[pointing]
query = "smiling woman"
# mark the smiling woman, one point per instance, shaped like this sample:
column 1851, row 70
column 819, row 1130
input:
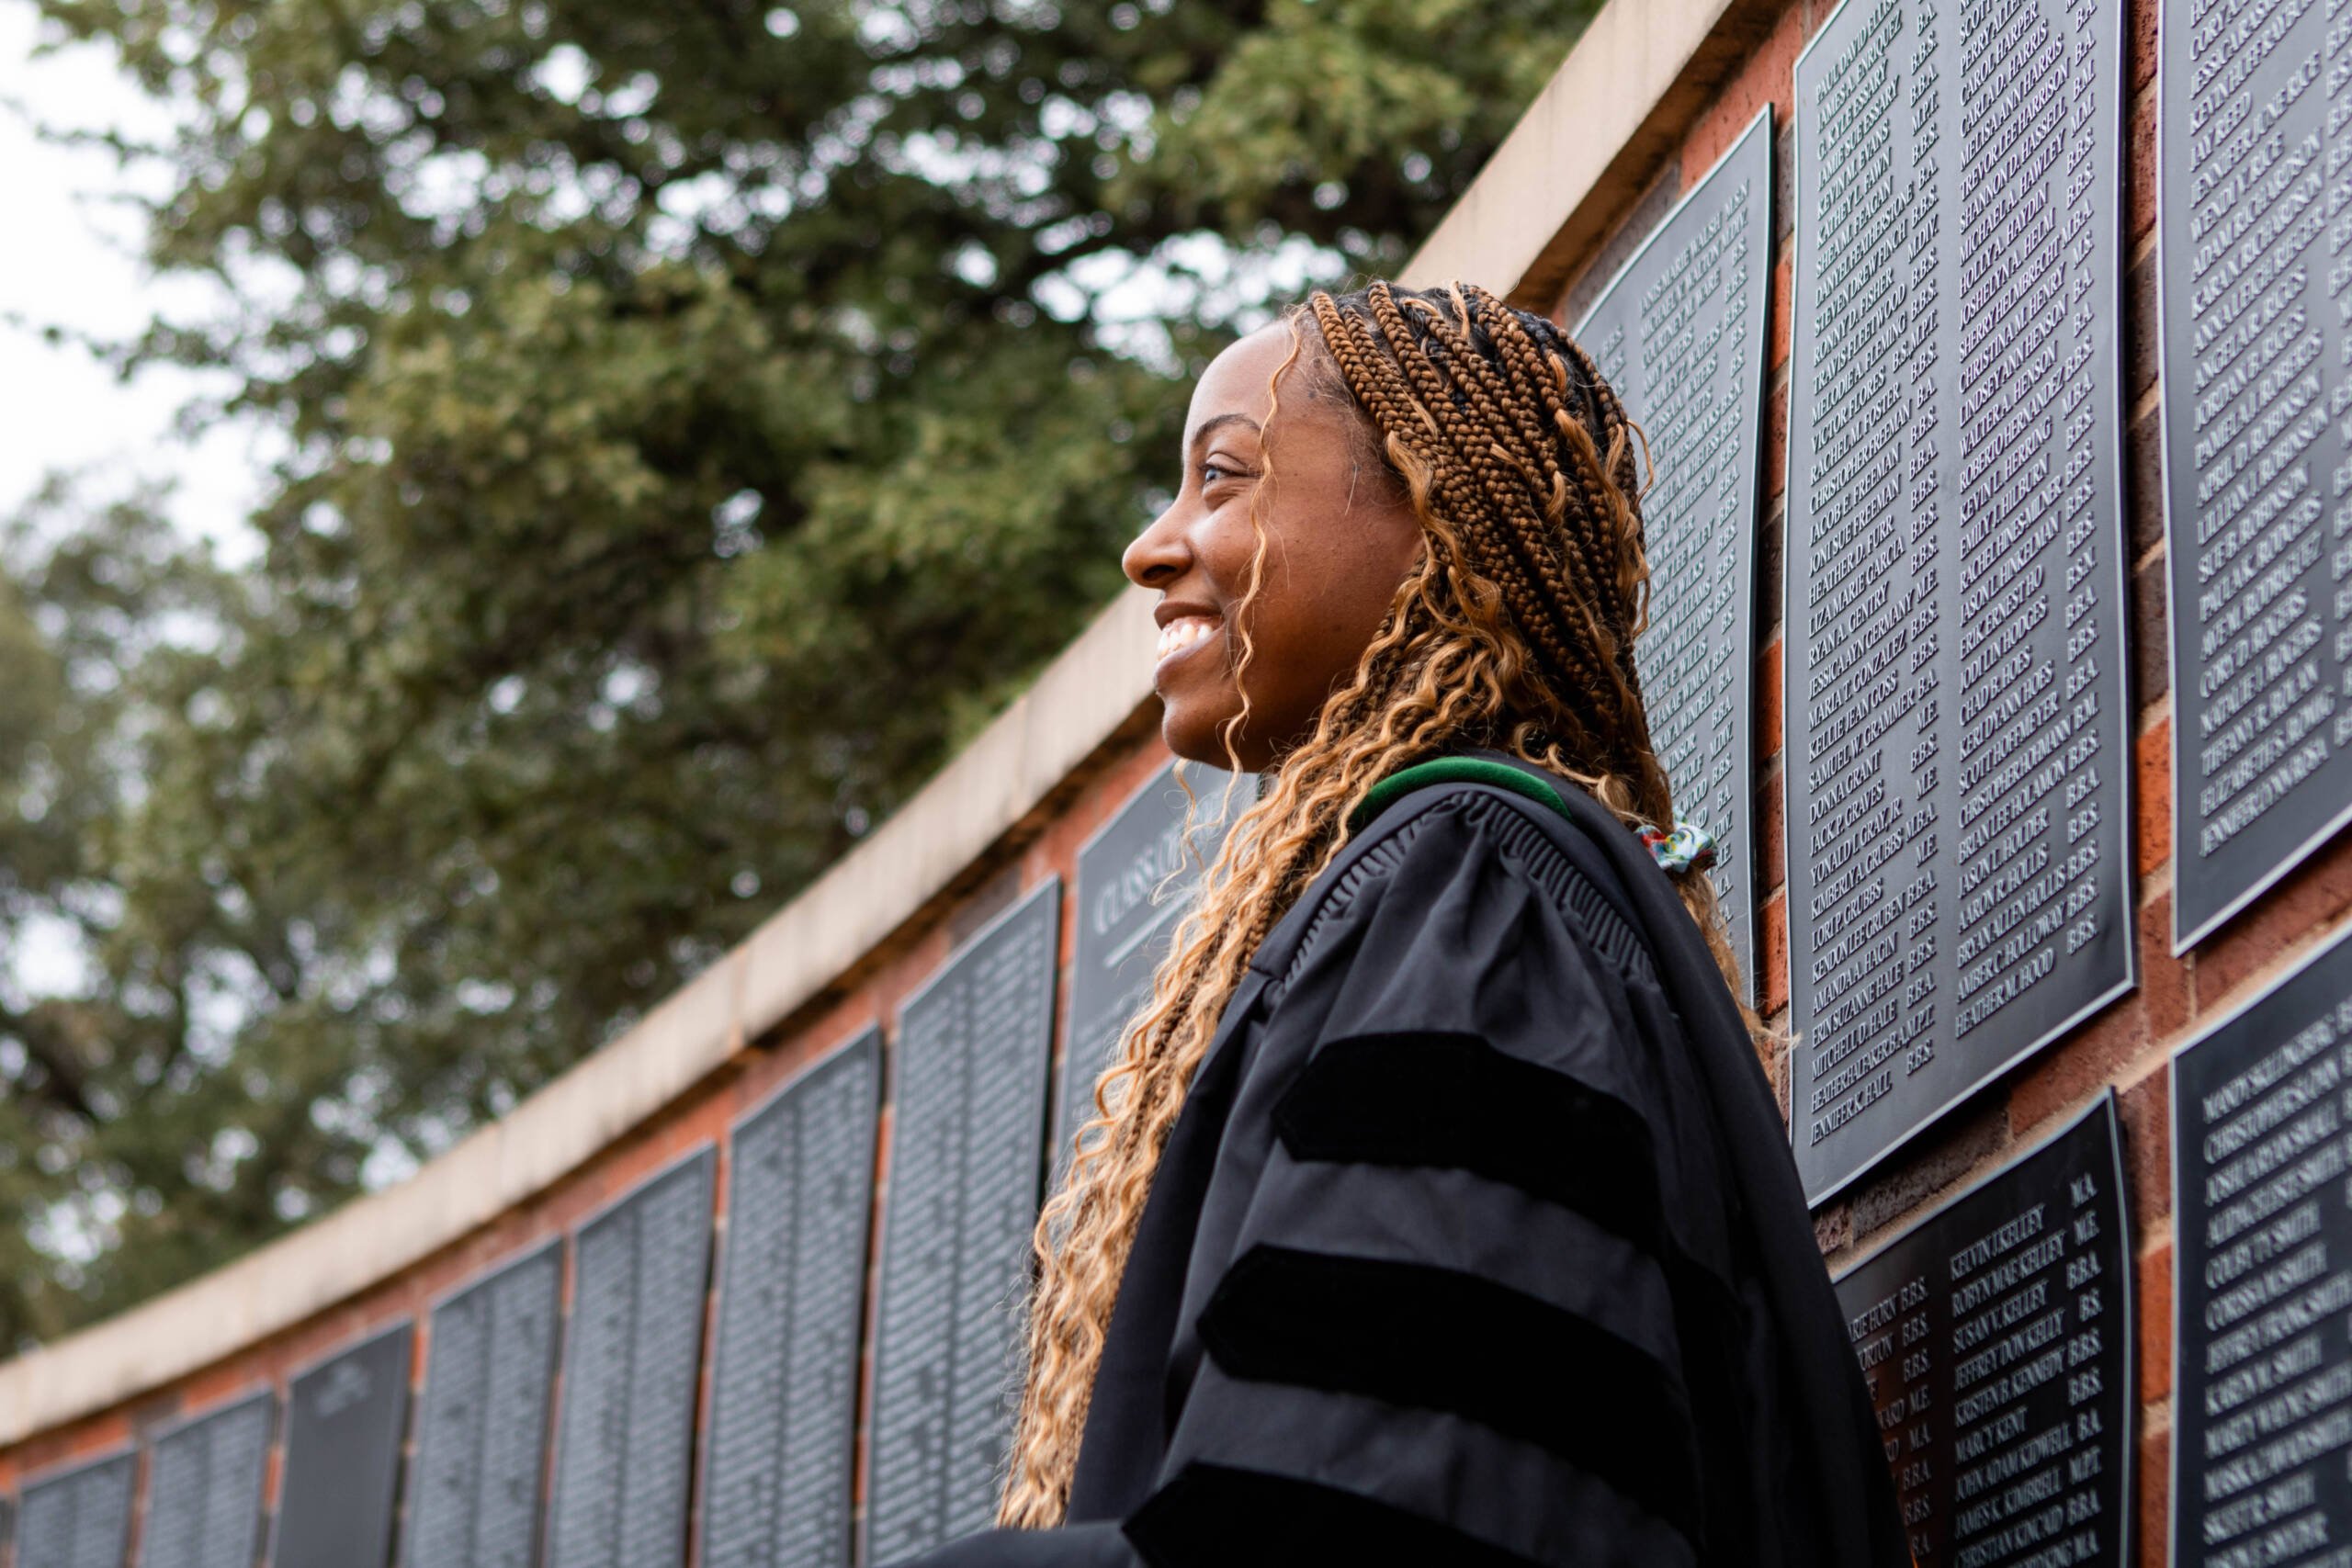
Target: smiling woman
column 1437, row 1211
column 1255, row 520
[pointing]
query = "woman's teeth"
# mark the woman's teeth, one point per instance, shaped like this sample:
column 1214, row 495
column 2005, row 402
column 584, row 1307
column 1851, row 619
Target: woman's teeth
column 1179, row 634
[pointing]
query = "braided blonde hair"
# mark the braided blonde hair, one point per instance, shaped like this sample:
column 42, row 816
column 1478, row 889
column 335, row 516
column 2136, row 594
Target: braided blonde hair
column 1515, row 631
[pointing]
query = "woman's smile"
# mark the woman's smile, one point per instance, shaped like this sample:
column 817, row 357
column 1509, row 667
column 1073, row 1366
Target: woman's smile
column 1182, row 629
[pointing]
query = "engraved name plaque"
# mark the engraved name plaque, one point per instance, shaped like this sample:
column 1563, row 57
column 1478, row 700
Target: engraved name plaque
column 1679, row 332
column 783, row 1384
column 204, row 1485
column 1127, row 911
column 2262, row 1277
column 967, row 1145
column 345, row 1418
column 78, row 1520
column 632, row 1363
column 2254, row 263
column 474, row 1495
column 1957, row 748
column 1995, row 1338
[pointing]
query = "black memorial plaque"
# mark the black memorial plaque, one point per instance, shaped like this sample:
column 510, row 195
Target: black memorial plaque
column 633, row 1365
column 2262, row 1277
column 1135, row 878
column 784, row 1385
column 80, row 1518
column 1679, row 332
column 1995, row 1337
column 346, row 1420
column 2254, row 263
column 204, row 1489
column 967, row 1145
column 1957, row 723
column 481, row 1443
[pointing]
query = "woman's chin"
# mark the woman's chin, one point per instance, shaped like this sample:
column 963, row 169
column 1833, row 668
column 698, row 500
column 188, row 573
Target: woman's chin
column 1196, row 733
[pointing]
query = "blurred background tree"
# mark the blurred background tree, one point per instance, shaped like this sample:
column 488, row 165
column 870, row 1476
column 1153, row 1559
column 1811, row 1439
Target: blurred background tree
column 700, row 415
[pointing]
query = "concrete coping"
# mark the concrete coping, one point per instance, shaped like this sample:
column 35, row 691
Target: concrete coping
column 1571, row 165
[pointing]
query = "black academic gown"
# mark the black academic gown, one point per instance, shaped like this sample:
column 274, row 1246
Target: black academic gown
column 1477, row 1242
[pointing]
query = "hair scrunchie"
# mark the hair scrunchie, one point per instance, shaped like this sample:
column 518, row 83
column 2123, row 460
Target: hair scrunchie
column 1688, row 847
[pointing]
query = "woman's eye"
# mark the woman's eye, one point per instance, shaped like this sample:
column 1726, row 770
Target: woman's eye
column 1213, row 471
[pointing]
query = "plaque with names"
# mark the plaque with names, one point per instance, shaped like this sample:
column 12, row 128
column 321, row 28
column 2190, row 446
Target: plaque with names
column 80, row 1518
column 967, row 1148
column 204, row 1489
column 1958, row 747
column 2262, row 1276
column 1679, row 332
column 2254, row 267
column 632, row 1367
column 791, row 1295
column 1995, row 1338
column 481, row 1444
column 344, row 1423
column 1135, row 880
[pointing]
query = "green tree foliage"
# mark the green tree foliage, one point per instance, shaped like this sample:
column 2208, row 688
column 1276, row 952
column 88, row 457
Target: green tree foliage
column 699, row 415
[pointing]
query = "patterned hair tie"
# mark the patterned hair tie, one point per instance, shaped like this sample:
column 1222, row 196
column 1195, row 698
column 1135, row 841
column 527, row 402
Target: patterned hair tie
column 1688, row 848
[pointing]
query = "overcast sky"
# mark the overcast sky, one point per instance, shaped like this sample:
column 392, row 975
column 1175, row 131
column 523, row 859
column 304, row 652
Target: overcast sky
column 72, row 261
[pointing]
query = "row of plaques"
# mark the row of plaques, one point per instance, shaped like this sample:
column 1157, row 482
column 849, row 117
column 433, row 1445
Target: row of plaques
column 1957, row 736
column 1956, row 741
column 1957, row 722
column 596, row 1417
column 1996, row 1339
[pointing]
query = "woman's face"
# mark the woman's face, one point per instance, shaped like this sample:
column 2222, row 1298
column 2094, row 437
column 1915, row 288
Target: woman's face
column 1339, row 537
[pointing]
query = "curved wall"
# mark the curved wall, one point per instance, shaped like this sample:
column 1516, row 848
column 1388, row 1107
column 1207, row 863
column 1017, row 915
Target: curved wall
column 1644, row 107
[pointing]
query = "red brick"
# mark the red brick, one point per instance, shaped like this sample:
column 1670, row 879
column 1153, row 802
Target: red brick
column 1781, row 323
column 2140, row 171
column 89, row 1440
column 2152, row 789
column 2141, row 363
column 1936, row 1163
column 2067, row 1077
column 2152, row 1318
column 1774, row 981
column 1772, row 838
column 1768, row 702
column 2151, row 673
column 2155, row 1521
column 1833, row 1229
column 2164, row 979
column 2308, row 901
column 1776, row 442
column 1767, row 77
column 2140, row 42
column 2145, row 1112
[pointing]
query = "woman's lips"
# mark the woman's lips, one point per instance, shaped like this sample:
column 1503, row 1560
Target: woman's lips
column 1184, row 634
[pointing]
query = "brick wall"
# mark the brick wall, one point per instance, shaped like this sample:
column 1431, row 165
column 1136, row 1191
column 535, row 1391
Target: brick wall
column 2126, row 1046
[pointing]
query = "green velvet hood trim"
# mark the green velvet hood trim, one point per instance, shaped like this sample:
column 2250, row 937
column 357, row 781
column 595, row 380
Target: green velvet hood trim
column 1452, row 770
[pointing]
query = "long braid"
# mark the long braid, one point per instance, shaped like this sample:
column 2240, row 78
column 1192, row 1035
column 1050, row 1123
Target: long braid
column 1514, row 631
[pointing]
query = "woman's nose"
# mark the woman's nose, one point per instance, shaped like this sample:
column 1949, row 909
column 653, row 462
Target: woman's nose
column 1160, row 555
